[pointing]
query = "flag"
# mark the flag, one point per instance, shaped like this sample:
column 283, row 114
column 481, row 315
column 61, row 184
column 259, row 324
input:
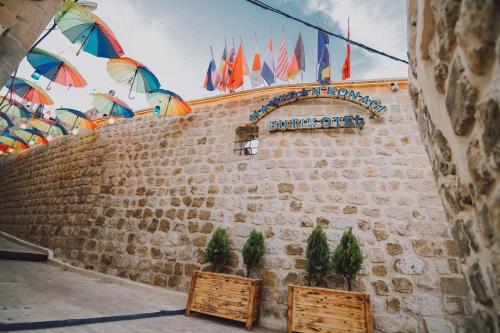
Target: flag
column 298, row 62
column 245, row 64
column 324, row 67
column 255, row 75
column 324, row 73
column 211, row 77
column 281, row 70
column 229, row 65
column 236, row 78
column 221, row 83
column 268, row 66
column 346, row 69
column 300, row 54
column 293, row 68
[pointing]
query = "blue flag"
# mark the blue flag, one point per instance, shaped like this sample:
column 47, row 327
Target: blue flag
column 324, row 71
column 211, row 77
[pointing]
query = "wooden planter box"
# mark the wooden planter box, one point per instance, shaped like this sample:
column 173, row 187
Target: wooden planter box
column 224, row 295
column 312, row 309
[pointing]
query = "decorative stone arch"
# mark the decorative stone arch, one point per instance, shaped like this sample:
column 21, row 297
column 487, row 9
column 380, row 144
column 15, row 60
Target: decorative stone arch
column 373, row 106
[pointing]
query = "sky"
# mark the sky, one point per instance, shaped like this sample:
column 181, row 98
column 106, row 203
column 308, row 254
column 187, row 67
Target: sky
column 173, row 39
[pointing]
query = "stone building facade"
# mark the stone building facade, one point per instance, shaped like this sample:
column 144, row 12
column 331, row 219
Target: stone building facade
column 141, row 198
column 21, row 23
column 454, row 49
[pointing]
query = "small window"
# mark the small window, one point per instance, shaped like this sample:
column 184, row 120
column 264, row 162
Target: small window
column 247, row 140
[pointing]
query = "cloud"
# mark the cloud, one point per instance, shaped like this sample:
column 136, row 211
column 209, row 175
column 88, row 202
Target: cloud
column 378, row 24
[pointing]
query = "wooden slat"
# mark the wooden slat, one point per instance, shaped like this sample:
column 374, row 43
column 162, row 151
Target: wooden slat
column 232, row 297
column 315, row 329
column 320, row 310
column 212, row 301
column 290, row 309
column 205, row 284
column 314, row 300
column 220, row 312
column 322, row 321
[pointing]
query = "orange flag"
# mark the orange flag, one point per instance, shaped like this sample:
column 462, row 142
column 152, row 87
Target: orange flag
column 346, row 69
column 293, row 68
column 236, row 79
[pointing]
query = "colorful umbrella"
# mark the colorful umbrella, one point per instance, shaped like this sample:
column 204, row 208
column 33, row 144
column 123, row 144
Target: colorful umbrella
column 3, row 149
column 5, row 121
column 48, row 126
column 75, row 119
column 134, row 74
column 168, row 103
column 28, row 90
column 12, row 141
column 81, row 26
column 112, row 106
column 31, row 135
column 15, row 109
column 55, row 68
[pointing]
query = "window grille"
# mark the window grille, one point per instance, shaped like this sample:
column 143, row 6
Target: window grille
column 247, row 140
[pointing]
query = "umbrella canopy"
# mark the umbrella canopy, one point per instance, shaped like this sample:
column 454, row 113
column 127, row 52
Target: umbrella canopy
column 15, row 109
column 75, row 119
column 132, row 73
column 47, row 126
column 55, row 68
column 3, row 149
column 81, row 26
column 12, row 141
column 30, row 135
column 111, row 105
column 28, row 90
column 168, row 103
column 5, row 121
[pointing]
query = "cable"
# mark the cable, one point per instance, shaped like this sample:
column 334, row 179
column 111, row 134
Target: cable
column 361, row 45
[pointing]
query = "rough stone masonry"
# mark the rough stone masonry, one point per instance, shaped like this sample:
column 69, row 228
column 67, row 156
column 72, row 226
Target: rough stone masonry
column 454, row 49
column 140, row 200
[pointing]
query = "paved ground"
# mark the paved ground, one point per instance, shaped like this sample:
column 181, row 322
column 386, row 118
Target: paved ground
column 31, row 291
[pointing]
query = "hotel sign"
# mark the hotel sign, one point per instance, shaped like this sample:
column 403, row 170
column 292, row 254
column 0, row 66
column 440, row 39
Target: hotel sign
column 316, row 123
column 374, row 106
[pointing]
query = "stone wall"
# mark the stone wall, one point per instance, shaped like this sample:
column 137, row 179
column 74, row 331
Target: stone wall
column 140, row 200
column 454, row 49
column 21, row 23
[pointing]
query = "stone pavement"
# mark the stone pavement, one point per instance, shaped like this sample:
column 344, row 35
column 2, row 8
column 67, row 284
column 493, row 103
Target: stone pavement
column 31, row 291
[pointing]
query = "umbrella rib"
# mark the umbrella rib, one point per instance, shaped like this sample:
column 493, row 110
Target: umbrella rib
column 86, row 38
column 132, row 84
column 168, row 103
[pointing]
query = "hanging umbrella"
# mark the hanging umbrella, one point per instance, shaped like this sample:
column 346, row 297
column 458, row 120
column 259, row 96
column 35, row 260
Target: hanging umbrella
column 48, row 126
column 12, row 141
column 5, row 121
column 168, row 103
column 31, row 135
column 134, row 74
column 75, row 119
column 55, row 68
column 112, row 106
column 82, row 27
column 14, row 108
column 3, row 149
column 28, row 90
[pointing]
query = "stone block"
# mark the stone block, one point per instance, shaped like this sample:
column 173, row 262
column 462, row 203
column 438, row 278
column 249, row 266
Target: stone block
column 402, row 285
column 454, row 286
column 410, row 265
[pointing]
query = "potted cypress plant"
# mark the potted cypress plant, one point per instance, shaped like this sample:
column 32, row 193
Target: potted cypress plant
column 315, row 309
column 348, row 258
column 225, row 295
column 253, row 250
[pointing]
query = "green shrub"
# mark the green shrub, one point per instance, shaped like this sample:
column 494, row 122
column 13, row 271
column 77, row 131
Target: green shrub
column 318, row 264
column 217, row 251
column 253, row 250
column 347, row 257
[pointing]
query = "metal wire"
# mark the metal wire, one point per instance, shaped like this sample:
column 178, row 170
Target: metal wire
column 361, row 45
